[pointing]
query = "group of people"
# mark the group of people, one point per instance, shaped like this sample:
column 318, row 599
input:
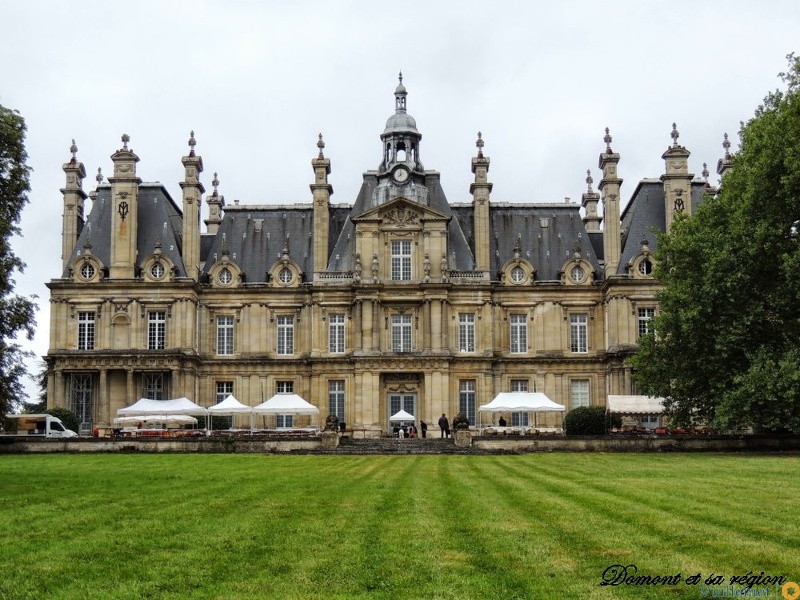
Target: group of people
column 410, row 431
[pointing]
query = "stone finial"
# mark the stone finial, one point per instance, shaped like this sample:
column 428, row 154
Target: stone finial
column 99, row 177
column 400, row 77
column 645, row 243
column 321, row 146
column 225, row 250
column 215, row 184
column 727, row 146
column 125, row 139
column 607, row 139
column 704, row 172
column 589, row 180
column 74, row 149
column 192, row 143
column 674, row 135
column 576, row 249
column 479, row 143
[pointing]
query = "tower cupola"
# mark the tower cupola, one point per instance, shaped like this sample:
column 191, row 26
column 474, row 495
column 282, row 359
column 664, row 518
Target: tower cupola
column 401, row 138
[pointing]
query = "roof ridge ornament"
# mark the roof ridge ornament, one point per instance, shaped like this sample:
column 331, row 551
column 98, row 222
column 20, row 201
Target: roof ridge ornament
column 99, row 177
column 479, row 143
column 400, row 95
column 125, row 139
column 727, row 145
column 607, row 139
column 192, row 143
column 215, row 184
column 589, row 180
column 674, row 135
column 74, row 149
column 321, row 146
column 705, row 172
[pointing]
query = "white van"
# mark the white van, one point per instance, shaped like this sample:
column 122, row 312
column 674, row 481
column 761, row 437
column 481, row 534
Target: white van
column 42, row 425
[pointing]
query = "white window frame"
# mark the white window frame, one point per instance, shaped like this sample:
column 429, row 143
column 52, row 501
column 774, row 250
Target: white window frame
column 224, row 389
column 579, row 333
column 156, row 330
column 466, row 332
column 518, row 333
column 402, row 333
column 519, row 419
column 579, row 393
column 225, row 335
column 336, row 333
column 336, row 398
column 643, row 322
column 467, row 399
column 401, row 260
column 284, row 387
column 285, row 333
column 86, row 330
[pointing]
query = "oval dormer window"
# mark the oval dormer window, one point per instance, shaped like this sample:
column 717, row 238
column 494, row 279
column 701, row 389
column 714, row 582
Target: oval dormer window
column 225, row 276
column 87, row 271
column 285, row 276
column 578, row 274
column 517, row 274
column 157, row 270
column 646, row 267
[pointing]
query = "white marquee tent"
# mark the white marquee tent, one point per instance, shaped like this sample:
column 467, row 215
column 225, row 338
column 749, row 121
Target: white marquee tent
column 178, row 406
column 524, row 402
column 285, row 404
column 401, row 416
column 634, row 405
column 229, row 407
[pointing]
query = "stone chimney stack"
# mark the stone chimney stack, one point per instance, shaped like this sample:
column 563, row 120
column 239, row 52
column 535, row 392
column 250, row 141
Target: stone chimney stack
column 216, row 203
column 677, row 180
column 609, row 189
column 589, row 202
column 192, row 194
column 321, row 192
column 481, row 190
column 74, row 196
column 125, row 212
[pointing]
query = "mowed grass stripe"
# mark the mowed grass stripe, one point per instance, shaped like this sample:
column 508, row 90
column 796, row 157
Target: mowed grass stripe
column 267, row 526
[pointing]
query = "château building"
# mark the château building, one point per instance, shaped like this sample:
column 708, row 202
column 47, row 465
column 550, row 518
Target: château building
column 400, row 300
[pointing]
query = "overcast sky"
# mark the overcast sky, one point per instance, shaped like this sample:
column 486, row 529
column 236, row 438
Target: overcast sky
column 258, row 80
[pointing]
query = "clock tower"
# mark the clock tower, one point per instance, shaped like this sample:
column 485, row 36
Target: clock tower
column 401, row 141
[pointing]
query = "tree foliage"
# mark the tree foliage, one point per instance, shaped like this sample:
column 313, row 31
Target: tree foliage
column 16, row 312
column 727, row 342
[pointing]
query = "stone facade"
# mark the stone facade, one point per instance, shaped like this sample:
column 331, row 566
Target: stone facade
column 400, row 300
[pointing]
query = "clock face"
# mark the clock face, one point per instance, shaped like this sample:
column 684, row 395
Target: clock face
column 400, row 175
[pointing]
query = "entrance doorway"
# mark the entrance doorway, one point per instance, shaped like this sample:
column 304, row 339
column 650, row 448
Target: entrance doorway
column 398, row 401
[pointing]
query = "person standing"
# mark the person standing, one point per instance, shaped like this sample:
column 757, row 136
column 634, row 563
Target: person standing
column 424, row 428
column 444, row 426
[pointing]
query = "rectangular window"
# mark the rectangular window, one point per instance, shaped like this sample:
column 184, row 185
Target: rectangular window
column 401, row 260
column 156, row 330
column 336, row 334
column 519, row 333
column 519, row 419
column 401, row 333
column 466, row 399
column 466, row 332
column 336, row 399
column 645, row 314
column 153, row 386
column 578, row 334
column 580, row 392
column 224, row 389
column 284, row 387
column 285, row 421
column 81, row 390
column 286, row 335
column 519, row 385
column 225, row 336
column 85, row 331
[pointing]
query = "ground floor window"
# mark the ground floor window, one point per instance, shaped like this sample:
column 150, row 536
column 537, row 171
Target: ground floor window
column 154, row 386
column 285, row 421
column 406, row 402
column 81, row 396
column 519, row 419
column 580, row 392
column 224, row 389
column 466, row 399
column 336, row 399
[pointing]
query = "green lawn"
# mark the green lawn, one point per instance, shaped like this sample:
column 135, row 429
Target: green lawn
column 269, row 526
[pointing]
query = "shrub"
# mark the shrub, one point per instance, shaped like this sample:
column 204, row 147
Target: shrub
column 589, row 420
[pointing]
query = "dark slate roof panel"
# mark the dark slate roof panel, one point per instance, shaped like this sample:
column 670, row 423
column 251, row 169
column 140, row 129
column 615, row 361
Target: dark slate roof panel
column 547, row 236
column 255, row 237
column 159, row 220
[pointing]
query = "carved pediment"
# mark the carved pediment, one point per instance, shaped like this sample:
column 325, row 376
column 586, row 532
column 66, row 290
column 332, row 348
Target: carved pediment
column 401, row 213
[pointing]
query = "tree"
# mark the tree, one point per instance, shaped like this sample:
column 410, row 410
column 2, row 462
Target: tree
column 16, row 312
column 726, row 347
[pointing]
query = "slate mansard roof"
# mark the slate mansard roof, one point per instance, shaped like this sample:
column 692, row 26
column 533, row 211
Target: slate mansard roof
column 160, row 221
